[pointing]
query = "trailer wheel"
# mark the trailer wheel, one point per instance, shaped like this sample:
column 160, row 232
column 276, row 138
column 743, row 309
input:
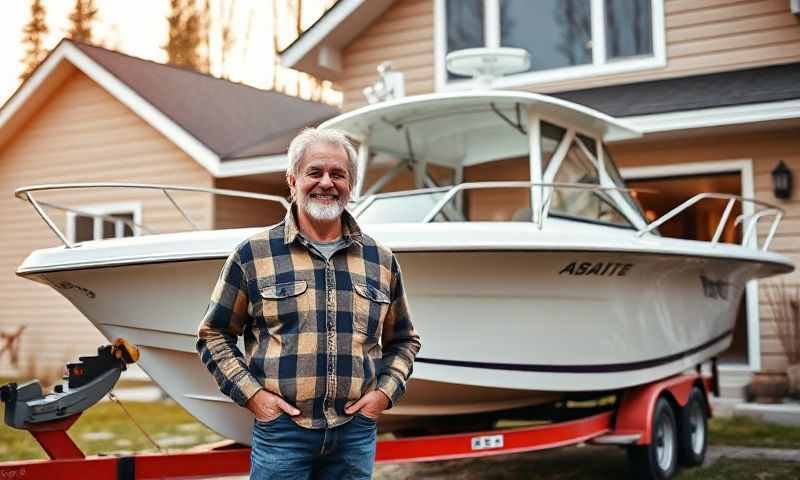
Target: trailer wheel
column 659, row 459
column 693, row 439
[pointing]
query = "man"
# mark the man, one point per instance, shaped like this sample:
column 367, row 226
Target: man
column 328, row 339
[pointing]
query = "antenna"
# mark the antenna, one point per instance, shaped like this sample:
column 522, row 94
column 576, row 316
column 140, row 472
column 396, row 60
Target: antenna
column 486, row 64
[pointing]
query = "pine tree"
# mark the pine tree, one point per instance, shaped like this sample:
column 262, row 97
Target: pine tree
column 228, row 39
column 81, row 18
column 276, row 64
column 186, row 34
column 33, row 35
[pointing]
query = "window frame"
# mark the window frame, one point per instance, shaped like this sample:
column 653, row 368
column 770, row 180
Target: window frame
column 134, row 208
column 600, row 65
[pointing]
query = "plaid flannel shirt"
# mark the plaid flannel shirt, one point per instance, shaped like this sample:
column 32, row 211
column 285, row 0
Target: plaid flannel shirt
column 318, row 333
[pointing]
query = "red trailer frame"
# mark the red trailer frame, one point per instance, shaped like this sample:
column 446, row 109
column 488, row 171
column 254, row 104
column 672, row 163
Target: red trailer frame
column 631, row 423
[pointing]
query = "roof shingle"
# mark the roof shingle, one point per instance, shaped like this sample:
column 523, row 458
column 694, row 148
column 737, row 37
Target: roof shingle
column 233, row 120
column 755, row 85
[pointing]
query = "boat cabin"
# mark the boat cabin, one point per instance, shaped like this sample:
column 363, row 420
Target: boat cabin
column 489, row 156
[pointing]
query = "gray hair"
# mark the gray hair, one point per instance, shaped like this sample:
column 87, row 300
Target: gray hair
column 311, row 136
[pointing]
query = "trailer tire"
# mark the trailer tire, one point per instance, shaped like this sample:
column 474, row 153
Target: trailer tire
column 693, row 438
column 659, row 459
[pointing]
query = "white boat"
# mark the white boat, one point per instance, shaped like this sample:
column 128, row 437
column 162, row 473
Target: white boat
column 540, row 283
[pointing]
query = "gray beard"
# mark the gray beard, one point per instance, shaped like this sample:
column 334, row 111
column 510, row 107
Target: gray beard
column 319, row 211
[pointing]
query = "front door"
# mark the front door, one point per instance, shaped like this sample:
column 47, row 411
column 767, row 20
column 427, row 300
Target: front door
column 658, row 195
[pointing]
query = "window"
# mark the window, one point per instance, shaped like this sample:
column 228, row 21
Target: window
column 565, row 38
column 464, row 26
column 100, row 222
column 556, row 33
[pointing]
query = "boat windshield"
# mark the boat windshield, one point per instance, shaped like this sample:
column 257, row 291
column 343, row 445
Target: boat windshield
column 401, row 207
column 614, row 175
column 480, row 201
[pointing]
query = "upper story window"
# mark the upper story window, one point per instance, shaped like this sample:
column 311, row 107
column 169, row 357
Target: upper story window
column 101, row 222
column 565, row 38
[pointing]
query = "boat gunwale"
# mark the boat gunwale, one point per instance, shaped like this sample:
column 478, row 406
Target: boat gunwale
column 786, row 267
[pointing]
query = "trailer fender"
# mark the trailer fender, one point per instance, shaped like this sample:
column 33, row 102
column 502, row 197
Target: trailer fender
column 635, row 412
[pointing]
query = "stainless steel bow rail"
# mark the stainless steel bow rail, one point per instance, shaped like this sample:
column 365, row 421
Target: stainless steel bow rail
column 749, row 222
column 26, row 194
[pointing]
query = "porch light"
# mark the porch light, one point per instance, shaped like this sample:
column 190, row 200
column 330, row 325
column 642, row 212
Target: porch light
column 782, row 181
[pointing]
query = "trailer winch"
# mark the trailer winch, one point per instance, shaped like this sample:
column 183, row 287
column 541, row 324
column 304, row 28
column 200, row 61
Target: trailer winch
column 88, row 381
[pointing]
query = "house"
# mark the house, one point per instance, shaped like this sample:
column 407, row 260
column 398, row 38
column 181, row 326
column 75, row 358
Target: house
column 88, row 114
column 713, row 84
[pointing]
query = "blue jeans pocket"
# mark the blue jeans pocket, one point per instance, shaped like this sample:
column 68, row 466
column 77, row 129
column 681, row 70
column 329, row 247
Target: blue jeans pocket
column 266, row 423
column 365, row 419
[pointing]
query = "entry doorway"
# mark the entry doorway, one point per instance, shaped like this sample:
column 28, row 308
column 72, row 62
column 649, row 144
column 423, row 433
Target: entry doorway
column 662, row 188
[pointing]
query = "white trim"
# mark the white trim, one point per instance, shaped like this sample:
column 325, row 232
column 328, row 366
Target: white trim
column 716, row 117
column 657, row 60
column 153, row 116
column 745, row 169
column 252, row 166
column 16, row 102
column 598, row 32
column 68, row 52
column 105, row 209
column 689, row 168
column 659, row 33
column 316, row 35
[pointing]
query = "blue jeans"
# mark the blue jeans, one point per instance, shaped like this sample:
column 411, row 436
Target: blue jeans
column 280, row 449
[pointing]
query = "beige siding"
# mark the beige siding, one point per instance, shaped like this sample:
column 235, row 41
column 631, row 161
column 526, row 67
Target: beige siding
column 765, row 150
column 404, row 35
column 702, row 36
column 80, row 134
column 232, row 212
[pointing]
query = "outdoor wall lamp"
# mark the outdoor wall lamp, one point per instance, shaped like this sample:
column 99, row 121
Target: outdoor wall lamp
column 782, row 181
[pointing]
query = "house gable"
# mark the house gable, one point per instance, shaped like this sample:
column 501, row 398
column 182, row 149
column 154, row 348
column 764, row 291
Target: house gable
column 63, row 60
column 217, row 123
column 79, row 133
column 318, row 50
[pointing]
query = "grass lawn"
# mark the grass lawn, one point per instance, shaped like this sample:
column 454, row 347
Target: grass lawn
column 104, row 428
column 748, row 432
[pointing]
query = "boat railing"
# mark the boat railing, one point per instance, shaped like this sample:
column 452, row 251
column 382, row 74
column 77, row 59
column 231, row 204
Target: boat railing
column 451, row 192
column 26, row 194
column 448, row 194
column 749, row 221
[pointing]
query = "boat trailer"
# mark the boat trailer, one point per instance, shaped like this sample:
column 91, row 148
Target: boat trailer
column 662, row 425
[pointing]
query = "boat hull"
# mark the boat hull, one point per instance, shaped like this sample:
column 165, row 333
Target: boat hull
column 500, row 329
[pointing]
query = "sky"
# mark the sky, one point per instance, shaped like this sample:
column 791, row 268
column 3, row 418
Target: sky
column 139, row 28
